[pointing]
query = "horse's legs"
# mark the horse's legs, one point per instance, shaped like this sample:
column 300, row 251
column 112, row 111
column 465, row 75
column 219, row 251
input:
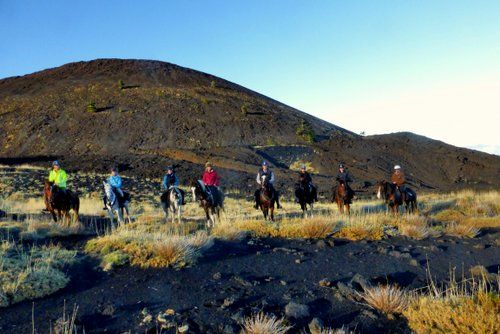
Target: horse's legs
column 179, row 214
column 54, row 216
column 272, row 212
column 348, row 208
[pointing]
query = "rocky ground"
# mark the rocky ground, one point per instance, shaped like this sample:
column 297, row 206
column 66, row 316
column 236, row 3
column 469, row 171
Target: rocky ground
column 298, row 279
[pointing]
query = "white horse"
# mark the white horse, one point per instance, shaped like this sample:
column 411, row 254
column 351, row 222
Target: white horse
column 171, row 201
column 114, row 207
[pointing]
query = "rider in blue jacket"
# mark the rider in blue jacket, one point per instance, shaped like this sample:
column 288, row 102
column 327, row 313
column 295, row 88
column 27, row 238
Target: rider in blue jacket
column 171, row 180
column 115, row 181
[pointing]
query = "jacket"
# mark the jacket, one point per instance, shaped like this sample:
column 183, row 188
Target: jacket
column 305, row 176
column 115, row 181
column 398, row 178
column 211, row 178
column 345, row 177
column 269, row 175
column 170, row 179
column 59, row 178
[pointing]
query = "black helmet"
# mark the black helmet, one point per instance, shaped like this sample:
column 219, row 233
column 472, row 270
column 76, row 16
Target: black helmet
column 341, row 165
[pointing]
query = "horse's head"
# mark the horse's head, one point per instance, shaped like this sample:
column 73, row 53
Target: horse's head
column 197, row 189
column 108, row 191
column 381, row 188
column 47, row 187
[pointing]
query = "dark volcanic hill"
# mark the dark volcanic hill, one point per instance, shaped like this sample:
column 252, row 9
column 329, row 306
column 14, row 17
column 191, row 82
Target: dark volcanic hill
column 146, row 114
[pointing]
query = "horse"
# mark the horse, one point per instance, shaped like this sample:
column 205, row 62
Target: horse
column 342, row 195
column 60, row 203
column 171, row 200
column 305, row 196
column 211, row 204
column 266, row 199
column 393, row 197
column 114, row 206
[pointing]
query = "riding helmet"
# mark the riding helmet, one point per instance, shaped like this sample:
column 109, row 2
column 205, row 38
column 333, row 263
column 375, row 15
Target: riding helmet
column 265, row 163
column 170, row 168
column 341, row 165
column 56, row 163
column 303, row 166
column 208, row 164
column 397, row 167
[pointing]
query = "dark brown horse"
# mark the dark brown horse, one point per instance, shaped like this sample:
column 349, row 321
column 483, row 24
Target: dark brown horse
column 212, row 201
column 342, row 195
column 60, row 203
column 305, row 195
column 266, row 199
column 394, row 198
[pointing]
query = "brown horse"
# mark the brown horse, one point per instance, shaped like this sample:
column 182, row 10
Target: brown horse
column 266, row 199
column 59, row 204
column 342, row 195
column 394, row 198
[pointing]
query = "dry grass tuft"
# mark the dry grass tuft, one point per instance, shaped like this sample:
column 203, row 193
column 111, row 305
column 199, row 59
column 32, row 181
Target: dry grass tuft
column 31, row 274
column 414, row 231
column 264, row 324
column 361, row 229
column 386, row 299
column 461, row 231
column 468, row 307
column 131, row 243
column 227, row 231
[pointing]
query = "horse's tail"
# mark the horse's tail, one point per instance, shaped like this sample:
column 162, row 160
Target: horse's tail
column 76, row 206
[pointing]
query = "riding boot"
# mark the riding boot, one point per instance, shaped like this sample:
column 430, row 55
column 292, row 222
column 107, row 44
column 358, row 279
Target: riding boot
column 104, row 201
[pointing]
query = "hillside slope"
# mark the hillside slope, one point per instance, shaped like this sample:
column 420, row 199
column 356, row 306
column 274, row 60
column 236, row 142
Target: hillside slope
column 146, row 114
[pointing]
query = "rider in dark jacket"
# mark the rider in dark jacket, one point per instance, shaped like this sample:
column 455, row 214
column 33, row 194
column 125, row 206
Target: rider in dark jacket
column 343, row 176
column 304, row 176
column 265, row 171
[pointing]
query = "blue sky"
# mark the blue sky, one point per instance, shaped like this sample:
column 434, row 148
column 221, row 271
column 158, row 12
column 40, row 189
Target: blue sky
column 430, row 67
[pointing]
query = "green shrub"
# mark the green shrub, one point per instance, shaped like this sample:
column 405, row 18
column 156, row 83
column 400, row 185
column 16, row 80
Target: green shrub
column 305, row 131
column 121, row 85
column 91, row 107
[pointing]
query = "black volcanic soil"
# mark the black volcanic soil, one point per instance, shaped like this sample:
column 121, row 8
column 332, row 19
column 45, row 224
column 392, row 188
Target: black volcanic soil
column 235, row 279
column 166, row 114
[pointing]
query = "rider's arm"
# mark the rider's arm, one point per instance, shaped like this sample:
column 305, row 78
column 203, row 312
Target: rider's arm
column 258, row 178
column 164, row 183
column 52, row 176
column 176, row 181
column 271, row 179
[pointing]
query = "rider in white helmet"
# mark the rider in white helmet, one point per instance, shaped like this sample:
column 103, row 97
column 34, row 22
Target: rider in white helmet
column 398, row 178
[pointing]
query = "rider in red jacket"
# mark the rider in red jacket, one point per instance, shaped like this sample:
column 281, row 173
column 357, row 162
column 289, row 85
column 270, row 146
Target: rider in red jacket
column 210, row 177
column 212, row 182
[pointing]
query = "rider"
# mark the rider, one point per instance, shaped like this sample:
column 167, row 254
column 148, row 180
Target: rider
column 343, row 175
column 58, row 177
column 265, row 171
column 171, row 180
column 211, row 180
column 115, row 181
column 304, row 176
column 398, row 178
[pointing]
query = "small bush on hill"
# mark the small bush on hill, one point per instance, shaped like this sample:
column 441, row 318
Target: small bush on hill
column 91, row 107
column 305, row 131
